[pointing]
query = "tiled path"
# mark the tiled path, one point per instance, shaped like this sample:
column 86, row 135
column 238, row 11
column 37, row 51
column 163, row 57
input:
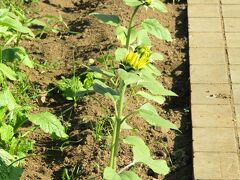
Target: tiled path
column 214, row 45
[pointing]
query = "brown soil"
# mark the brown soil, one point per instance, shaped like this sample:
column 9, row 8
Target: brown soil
column 65, row 50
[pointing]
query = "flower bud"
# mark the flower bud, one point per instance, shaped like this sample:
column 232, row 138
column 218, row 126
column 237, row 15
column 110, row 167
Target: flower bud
column 139, row 58
column 143, row 50
column 129, row 57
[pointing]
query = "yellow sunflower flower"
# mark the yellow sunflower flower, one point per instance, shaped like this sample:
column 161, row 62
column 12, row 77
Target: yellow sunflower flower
column 139, row 58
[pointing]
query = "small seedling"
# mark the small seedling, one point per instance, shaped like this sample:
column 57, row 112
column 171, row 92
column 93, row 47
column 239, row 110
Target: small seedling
column 75, row 88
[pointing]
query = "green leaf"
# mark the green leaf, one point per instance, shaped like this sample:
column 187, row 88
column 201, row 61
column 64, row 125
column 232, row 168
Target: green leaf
column 149, row 114
column 105, row 90
column 153, row 27
column 13, row 146
column 149, row 82
column 152, row 69
column 27, row 62
column 120, row 53
column 3, row 12
column 101, row 71
column 7, row 99
column 8, row 72
column 156, row 89
column 110, row 174
column 15, row 24
column 159, row 166
column 141, row 154
column 71, row 87
column 132, row 3
column 156, row 57
column 36, row 22
column 20, row 146
column 87, row 79
column 6, row 133
column 124, row 125
column 107, row 19
column 133, row 36
column 129, row 175
column 17, row 53
column 143, row 38
column 25, row 145
column 9, row 171
column 3, row 29
column 3, row 111
column 121, row 33
column 153, row 85
column 6, row 158
column 49, row 124
column 128, row 77
column 19, row 117
column 157, row 4
column 158, row 99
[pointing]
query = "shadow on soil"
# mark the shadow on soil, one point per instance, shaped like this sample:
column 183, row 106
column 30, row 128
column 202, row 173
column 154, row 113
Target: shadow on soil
column 182, row 152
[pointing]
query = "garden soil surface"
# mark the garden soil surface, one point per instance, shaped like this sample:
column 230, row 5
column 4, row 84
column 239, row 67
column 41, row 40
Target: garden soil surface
column 86, row 153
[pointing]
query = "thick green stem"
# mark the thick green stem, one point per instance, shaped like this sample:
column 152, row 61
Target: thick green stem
column 117, row 127
column 115, row 142
column 130, row 26
column 121, row 99
column 120, row 105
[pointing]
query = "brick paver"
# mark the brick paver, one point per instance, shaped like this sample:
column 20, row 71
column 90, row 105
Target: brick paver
column 235, row 73
column 209, row 165
column 231, row 11
column 205, row 25
column 232, row 24
column 234, row 55
column 237, row 109
column 230, row 2
column 206, row 94
column 208, row 140
column 233, row 40
column 212, row 116
column 209, row 74
column 200, row 10
column 206, row 40
column 236, row 93
column 203, row 1
column 214, row 53
column 211, row 56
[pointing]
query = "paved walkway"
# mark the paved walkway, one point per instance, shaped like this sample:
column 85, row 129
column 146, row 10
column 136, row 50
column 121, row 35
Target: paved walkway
column 214, row 43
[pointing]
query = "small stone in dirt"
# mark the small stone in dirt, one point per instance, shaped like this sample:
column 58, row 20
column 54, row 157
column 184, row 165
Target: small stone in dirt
column 178, row 73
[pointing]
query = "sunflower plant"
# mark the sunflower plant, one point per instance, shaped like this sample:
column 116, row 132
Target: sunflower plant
column 133, row 65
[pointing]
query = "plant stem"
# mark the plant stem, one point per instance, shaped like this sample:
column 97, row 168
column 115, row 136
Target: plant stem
column 126, row 167
column 130, row 26
column 129, row 115
column 117, row 126
column 120, row 105
column 115, row 142
column 121, row 99
column 18, row 39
